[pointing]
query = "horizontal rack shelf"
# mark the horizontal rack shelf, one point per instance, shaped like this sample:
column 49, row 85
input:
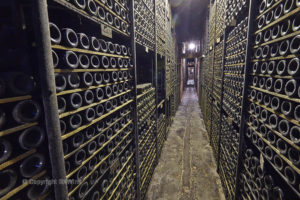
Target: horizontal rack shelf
column 145, row 140
column 142, row 104
column 96, row 166
column 253, row 196
column 215, row 95
column 67, row 135
column 269, row 9
column 151, row 11
column 95, row 183
column 17, row 159
column 275, row 76
column 60, row 47
column 296, row 10
column 230, row 48
column 120, row 4
column 161, row 103
column 231, row 74
column 146, row 22
column 92, row 70
column 129, row 186
column 14, row 99
column 148, row 39
column 114, row 180
column 86, row 15
column 218, row 79
column 150, row 154
column 144, row 93
column 162, row 39
column 148, row 151
column 274, row 131
column 277, row 58
column 109, row 10
column 276, row 150
column 91, row 172
column 94, row 137
column 90, row 88
column 161, row 131
column 151, row 166
column 82, row 108
column 21, row 187
column 233, row 65
column 119, row 182
column 229, row 39
column 278, row 172
column 127, row 189
column 147, row 114
column 229, row 189
column 278, row 39
column 17, row 128
column 145, row 135
column 297, row 100
column 150, row 48
column 98, row 150
column 242, row 52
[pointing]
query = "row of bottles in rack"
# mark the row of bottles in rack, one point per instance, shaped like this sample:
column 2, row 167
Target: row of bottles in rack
column 94, row 93
column 113, row 13
column 94, row 82
column 271, row 158
column 146, row 134
column 23, row 135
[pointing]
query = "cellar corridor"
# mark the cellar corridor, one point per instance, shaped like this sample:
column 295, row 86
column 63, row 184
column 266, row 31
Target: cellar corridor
column 186, row 169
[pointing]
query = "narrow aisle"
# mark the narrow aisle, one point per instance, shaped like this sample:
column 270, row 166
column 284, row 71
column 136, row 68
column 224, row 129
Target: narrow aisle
column 186, row 169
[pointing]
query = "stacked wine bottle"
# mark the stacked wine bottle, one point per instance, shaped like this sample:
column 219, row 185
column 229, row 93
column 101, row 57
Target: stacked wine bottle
column 147, row 134
column 24, row 155
column 93, row 80
column 114, row 14
column 144, row 23
column 273, row 112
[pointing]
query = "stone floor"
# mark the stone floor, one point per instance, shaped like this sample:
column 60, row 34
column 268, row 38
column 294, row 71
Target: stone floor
column 186, row 169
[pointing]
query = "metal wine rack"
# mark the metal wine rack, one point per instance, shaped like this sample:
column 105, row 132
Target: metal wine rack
column 220, row 17
column 93, row 76
column 234, row 71
column 69, row 110
column 258, row 142
column 212, row 26
column 218, row 61
column 161, row 132
column 146, row 132
column 145, row 23
column 228, row 158
column 272, row 116
column 24, row 136
column 234, row 8
column 161, row 26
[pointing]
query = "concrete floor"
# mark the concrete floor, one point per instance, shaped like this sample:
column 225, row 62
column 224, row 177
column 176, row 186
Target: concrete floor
column 186, row 169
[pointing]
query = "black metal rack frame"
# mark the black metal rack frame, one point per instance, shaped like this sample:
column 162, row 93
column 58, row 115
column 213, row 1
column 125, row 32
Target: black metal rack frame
column 244, row 142
column 49, row 95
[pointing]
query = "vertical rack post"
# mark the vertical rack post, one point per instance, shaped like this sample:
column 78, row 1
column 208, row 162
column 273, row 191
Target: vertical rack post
column 165, row 94
column 46, row 71
column 246, row 81
column 212, row 78
column 155, row 84
column 221, row 101
column 135, row 117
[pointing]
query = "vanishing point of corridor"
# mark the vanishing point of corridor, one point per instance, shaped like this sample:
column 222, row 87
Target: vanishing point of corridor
column 186, row 169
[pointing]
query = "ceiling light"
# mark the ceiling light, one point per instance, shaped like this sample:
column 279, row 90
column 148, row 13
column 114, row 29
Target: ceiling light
column 192, row 46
